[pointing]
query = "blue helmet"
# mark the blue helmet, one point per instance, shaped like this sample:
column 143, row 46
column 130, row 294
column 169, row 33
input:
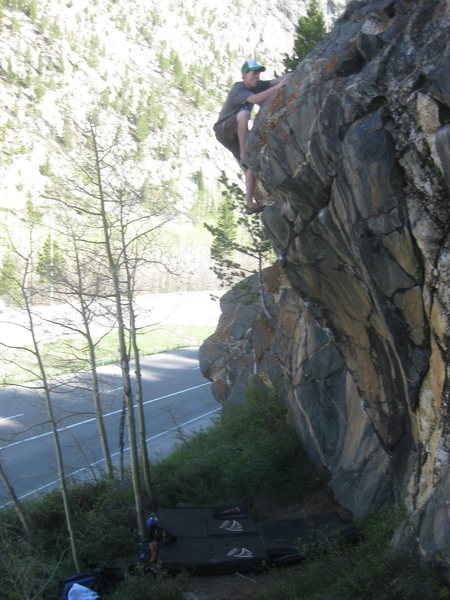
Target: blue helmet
column 152, row 521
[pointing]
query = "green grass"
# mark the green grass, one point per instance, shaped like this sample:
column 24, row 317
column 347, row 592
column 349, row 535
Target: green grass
column 251, row 454
column 70, row 355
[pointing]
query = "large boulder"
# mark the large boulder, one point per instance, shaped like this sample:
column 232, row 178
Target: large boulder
column 353, row 160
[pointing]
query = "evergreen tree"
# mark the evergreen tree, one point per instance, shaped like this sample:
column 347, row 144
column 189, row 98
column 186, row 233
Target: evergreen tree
column 234, row 256
column 164, row 63
column 176, row 65
column 39, row 89
column 309, row 31
column 32, row 10
column 67, row 137
column 10, row 74
column 41, row 64
column 45, row 168
column 142, row 121
column 9, row 288
column 224, row 242
column 154, row 110
column 33, row 214
column 50, row 260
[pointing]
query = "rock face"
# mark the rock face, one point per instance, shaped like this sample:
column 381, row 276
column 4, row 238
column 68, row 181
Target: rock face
column 353, row 159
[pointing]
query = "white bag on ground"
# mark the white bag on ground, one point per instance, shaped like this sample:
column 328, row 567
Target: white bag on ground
column 79, row 592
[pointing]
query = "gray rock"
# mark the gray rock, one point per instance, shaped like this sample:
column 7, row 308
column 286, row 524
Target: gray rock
column 353, row 158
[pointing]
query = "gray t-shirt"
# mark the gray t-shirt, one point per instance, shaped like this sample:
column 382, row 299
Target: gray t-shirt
column 237, row 99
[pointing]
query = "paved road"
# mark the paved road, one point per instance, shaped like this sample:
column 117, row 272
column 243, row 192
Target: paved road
column 177, row 399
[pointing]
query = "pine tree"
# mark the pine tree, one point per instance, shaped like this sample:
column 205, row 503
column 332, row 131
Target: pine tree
column 9, row 288
column 309, row 30
column 45, row 168
column 142, row 122
column 176, row 65
column 32, row 10
column 10, row 74
column 235, row 258
column 67, row 137
column 225, row 234
column 50, row 260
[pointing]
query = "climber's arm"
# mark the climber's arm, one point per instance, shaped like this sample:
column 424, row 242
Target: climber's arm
column 275, row 84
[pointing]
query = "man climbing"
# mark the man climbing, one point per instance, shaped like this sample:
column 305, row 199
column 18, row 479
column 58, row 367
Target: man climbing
column 232, row 125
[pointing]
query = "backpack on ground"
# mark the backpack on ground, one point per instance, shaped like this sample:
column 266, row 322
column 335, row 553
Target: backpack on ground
column 88, row 579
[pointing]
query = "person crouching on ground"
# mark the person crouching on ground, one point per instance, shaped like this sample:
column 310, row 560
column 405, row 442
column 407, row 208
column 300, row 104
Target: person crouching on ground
column 156, row 535
column 231, row 129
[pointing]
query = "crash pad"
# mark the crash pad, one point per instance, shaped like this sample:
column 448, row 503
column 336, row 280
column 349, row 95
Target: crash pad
column 304, row 537
column 226, row 539
column 214, row 555
column 201, row 522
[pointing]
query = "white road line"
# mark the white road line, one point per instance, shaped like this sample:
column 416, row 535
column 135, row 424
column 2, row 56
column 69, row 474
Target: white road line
column 86, row 421
column 8, row 418
column 153, row 437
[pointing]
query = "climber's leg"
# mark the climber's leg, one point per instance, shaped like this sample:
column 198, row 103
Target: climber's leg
column 243, row 118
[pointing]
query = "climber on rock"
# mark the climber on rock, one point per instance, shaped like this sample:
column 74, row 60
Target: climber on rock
column 232, row 125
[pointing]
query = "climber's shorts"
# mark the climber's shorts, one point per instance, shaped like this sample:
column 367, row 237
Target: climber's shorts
column 226, row 133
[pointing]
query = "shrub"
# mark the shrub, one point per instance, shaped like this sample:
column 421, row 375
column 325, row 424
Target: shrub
column 106, row 522
column 367, row 570
column 250, row 452
column 25, row 571
column 103, row 518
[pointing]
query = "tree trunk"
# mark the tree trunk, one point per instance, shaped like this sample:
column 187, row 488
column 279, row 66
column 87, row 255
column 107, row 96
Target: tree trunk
column 14, row 499
column 140, row 407
column 56, row 441
column 124, row 358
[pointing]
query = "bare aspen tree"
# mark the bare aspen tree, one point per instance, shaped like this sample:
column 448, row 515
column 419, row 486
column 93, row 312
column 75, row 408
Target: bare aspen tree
column 78, row 283
column 123, row 353
column 138, row 375
column 14, row 499
column 24, row 283
column 104, row 188
column 135, row 247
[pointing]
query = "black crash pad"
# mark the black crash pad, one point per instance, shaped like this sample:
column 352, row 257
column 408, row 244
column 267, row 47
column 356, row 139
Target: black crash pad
column 214, row 555
column 184, row 522
column 219, row 540
column 205, row 522
column 230, row 524
column 212, row 540
column 304, row 537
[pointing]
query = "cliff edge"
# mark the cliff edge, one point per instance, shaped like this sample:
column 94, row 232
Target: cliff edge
column 353, row 160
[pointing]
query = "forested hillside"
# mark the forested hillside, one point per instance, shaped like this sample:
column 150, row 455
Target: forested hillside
column 156, row 72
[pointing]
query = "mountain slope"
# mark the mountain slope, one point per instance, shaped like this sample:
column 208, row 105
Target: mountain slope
column 60, row 59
